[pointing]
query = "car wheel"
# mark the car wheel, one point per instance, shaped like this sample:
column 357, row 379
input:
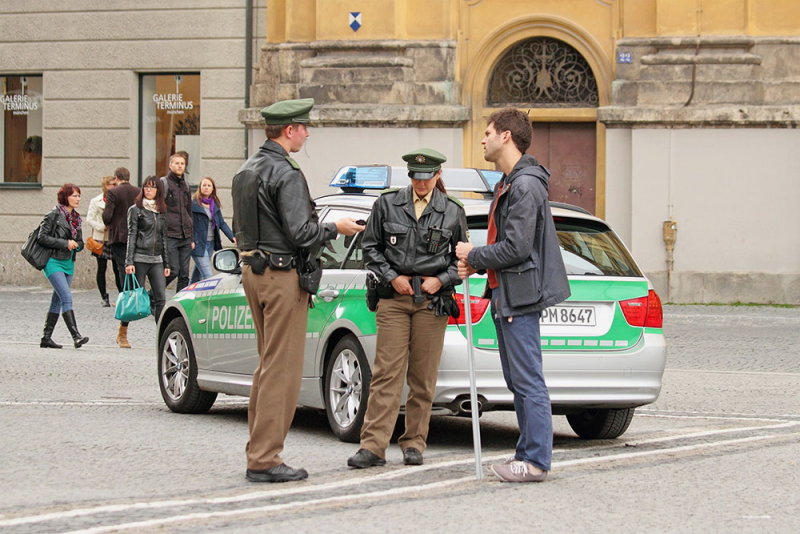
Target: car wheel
column 347, row 377
column 601, row 424
column 177, row 372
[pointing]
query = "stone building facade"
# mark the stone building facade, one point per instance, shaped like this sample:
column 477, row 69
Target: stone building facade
column 688, row 123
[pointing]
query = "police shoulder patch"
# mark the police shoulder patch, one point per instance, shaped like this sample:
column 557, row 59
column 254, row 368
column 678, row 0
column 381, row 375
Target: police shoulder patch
column 293, row 163
column 454, row 199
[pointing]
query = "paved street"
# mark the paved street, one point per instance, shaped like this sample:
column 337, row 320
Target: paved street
column 88, row 445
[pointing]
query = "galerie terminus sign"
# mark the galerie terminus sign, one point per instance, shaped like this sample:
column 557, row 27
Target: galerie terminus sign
column 19, row 104
column 172, row 103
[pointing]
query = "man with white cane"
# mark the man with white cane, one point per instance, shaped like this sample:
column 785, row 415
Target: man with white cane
column 525, row 275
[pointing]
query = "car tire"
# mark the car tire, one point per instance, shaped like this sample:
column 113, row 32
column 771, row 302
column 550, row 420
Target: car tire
column 347, row 377
column 601, row 423
column 177, row 372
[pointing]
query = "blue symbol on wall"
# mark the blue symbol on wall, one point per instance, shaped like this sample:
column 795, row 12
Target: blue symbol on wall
column 354, row 20
column 624, row 56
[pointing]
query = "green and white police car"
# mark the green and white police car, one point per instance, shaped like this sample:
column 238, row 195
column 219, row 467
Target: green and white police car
column 604, row 350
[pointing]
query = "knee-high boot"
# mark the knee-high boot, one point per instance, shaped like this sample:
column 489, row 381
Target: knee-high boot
column 49, row 324
column 77, row 338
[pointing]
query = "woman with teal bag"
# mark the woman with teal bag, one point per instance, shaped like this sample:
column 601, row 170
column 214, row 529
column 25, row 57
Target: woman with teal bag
column 147, row 241
column 60, row 231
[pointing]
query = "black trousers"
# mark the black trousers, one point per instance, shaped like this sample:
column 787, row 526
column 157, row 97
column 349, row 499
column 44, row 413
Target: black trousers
column 118, row 251
column 179, row 251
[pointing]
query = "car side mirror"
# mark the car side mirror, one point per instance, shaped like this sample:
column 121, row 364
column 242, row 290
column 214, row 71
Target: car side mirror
column 227, row 261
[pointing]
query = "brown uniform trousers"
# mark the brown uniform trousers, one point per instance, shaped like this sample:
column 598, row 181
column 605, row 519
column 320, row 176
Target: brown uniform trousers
column 280, row 314
column 409, row 345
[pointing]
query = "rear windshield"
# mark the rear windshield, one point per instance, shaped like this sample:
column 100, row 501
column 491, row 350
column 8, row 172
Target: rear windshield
column 587, row 247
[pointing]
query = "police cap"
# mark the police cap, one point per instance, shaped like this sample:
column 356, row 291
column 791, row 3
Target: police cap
column 423, row 163
column 288, row 111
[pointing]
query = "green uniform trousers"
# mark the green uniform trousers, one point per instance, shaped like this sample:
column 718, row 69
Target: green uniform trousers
column 280, row 314
column 409, row 345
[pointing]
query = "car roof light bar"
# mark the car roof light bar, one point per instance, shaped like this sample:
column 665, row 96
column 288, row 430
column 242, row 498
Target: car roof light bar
column 356, row 178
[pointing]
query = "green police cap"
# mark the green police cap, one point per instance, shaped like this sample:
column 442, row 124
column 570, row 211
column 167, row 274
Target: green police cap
column 288, row 111
column 423, row 163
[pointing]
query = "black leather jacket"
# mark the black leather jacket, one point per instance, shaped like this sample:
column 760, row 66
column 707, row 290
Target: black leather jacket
column 396, row 243
column 54, row 233
column 147, row 235
column 272, row 208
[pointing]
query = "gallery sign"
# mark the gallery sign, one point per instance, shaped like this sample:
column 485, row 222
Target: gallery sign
column 20, row 104
column 172, row 103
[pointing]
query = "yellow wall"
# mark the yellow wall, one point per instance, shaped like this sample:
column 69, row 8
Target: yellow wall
column 648, row 18
column 324, row 20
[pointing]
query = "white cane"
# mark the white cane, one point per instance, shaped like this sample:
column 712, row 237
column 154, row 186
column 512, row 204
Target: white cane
column 473, row 390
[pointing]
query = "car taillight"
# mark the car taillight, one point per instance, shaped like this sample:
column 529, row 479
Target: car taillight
column 644, row 311
column 477, row 308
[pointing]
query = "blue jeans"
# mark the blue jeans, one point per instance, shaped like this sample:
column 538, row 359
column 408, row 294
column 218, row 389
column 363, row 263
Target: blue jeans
column 521, row 358
column 202, row 264
column 61, row 301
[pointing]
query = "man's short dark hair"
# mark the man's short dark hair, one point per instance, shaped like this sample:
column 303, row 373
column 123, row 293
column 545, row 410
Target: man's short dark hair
column 273, row 131
column 121, row 173
column 516, row 122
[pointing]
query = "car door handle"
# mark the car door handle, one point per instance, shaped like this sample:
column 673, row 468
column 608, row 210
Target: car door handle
column 328, row 294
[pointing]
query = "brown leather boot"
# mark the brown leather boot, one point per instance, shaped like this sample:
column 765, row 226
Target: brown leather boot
column 122, row 337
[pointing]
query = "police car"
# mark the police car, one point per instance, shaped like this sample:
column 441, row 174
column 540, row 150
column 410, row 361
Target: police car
column 603, row 349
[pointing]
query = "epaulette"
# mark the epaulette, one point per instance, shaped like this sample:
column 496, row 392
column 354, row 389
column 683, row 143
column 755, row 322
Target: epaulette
column 391, row 190
column 293, row 163
column 454, row 199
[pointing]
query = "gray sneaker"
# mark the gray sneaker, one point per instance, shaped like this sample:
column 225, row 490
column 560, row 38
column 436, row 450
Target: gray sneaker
column 518, row 471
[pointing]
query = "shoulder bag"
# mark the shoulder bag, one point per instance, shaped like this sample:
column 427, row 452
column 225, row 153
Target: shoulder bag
column 133, row 303
column 33, row 252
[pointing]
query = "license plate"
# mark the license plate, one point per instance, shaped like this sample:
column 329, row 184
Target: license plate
column 569, row 316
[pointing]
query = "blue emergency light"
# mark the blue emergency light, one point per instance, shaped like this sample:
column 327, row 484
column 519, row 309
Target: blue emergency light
column 353, row 179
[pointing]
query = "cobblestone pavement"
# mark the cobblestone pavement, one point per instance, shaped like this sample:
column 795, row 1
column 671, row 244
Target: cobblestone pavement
column 88, row 445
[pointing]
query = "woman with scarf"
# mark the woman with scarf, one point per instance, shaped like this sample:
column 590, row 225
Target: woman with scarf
column 61, row 231
column 207, row 221
column 146, row 255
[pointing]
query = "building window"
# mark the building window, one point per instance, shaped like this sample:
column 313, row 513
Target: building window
column 21, row 129
column 542, row 72
column 170, row 122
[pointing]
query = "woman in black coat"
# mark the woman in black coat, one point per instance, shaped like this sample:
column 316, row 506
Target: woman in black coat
column 60, row 231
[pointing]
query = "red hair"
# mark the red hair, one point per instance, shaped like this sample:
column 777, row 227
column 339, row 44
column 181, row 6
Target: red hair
column 65, row 192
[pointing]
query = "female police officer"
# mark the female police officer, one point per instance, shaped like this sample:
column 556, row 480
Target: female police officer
column 409, row 244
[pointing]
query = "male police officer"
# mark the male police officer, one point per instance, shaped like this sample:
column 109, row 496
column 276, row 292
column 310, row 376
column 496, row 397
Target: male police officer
column 276, row 225
column 409, row 245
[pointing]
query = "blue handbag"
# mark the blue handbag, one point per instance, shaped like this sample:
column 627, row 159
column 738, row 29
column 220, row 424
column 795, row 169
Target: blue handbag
column 133, row 303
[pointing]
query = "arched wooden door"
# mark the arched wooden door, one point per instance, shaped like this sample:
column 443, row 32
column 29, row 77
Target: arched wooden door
column 553, row 80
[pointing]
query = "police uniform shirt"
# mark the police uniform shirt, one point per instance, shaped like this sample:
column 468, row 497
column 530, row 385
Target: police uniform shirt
column 420, row 203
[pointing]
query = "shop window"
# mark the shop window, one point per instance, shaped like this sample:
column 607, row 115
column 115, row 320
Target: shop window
column 21, row 129
column 542, row 72
column 170, row 123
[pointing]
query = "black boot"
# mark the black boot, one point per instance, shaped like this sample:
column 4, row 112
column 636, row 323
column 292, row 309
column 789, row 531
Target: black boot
column 49, row 325
column 69, row 318
column 106, row 304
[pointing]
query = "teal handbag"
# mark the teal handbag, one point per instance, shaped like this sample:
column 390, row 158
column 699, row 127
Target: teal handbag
column 133, row 303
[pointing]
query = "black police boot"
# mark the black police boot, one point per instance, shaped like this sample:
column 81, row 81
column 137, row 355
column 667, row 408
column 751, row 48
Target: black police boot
column 365, row 458
column 49, row 324
column 106, row 303
column 77, row 338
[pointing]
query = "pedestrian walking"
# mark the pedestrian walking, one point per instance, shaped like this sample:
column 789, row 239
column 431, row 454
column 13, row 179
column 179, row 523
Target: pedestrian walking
column 60, row 231
column 525, row 274
column 115, row 217
column 409, row 245
column 147, row 254
column 207, row 221
column 276, row 229
column 180, row 238
column 99, row 232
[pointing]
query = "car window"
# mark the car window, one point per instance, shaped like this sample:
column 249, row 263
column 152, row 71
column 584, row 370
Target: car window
column 587, row 247
column 334, row 254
